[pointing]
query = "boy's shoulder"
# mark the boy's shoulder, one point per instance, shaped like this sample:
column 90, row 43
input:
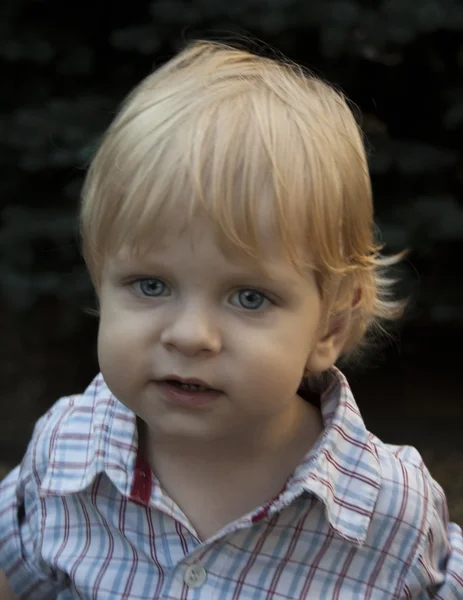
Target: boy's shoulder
column 412, row 523
column 410, row 503
column 403, row 470
column 375, row 493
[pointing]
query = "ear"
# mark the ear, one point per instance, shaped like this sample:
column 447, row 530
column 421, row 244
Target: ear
column 331, row 342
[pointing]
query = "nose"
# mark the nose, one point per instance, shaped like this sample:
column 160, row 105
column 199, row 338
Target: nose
column 191, row 332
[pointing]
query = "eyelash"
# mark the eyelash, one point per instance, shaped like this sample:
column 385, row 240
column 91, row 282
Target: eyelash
column 136, row 285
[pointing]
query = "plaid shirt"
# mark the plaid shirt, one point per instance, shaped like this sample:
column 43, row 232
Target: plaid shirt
column 83, row 517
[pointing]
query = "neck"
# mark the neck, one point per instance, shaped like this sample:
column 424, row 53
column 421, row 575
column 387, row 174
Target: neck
column 217, row 481
column 292, row 435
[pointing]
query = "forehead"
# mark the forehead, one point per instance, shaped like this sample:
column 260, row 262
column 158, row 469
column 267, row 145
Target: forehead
column 200, row 238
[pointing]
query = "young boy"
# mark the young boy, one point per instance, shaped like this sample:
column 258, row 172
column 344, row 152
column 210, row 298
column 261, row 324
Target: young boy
column 227, row 226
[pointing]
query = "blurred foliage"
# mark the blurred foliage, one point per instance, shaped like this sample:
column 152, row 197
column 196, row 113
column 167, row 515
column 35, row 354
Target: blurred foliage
column 65, row 68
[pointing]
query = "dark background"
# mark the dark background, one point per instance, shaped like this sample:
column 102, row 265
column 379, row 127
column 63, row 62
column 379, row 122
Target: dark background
column 65, row 67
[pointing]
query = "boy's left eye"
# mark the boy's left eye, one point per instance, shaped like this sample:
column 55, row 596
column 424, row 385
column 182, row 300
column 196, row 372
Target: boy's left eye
column 250, row 299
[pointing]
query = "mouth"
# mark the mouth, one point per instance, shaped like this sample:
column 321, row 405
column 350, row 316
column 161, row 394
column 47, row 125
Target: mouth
column 190, row 385
column 187, row 393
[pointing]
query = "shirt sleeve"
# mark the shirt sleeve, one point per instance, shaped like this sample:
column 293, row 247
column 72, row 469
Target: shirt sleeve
column 437, row 572
column 21, row 528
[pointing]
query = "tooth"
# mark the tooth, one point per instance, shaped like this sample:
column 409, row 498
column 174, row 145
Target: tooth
column 193, row 387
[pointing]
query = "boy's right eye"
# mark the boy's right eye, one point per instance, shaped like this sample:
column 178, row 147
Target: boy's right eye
column 149, row 287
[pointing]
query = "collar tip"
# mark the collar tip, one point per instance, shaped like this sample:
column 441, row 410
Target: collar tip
column 354, row 535
column 355, row 539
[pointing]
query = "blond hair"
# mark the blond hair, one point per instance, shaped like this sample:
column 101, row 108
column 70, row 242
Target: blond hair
column 240, row 136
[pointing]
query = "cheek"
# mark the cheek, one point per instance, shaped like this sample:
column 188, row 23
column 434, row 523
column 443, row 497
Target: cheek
column 118, row 364
column 116, row 344
column 285, row 353
column 109, row 357
column 120, row 328
column 273, row 366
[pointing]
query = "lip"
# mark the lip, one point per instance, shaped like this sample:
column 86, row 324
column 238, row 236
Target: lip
column 191, row 380
column 179, row 397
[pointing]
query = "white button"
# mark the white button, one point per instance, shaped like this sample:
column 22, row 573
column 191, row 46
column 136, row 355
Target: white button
column 195, row 576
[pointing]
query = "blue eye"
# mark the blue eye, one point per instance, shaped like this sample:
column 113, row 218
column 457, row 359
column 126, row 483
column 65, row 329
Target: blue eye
column 251, row 299
column 150, row 287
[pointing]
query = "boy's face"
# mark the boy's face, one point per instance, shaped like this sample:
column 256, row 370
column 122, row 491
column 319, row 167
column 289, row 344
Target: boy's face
column 186, row 310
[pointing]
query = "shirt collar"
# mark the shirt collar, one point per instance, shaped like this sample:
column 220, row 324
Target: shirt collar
column 94, row 433
column 342, row 470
